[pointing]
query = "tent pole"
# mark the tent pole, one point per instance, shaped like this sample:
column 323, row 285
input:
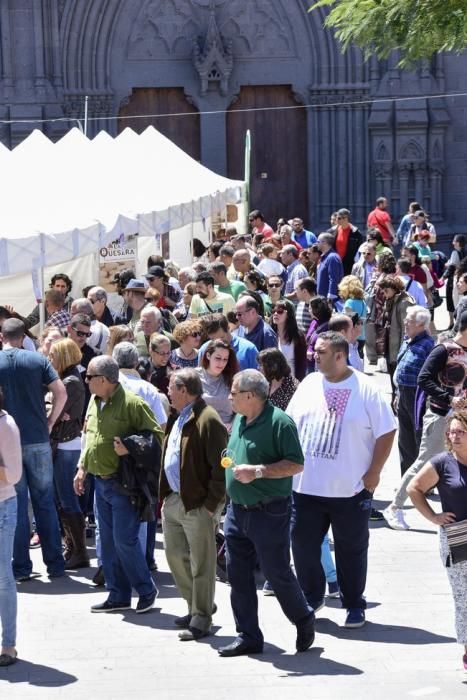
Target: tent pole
column 192, row 227
column 86, row 99
column 247, row 175
column 41, row 302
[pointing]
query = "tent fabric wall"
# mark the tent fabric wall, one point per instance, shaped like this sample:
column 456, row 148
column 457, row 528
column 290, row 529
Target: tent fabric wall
column 65, row 200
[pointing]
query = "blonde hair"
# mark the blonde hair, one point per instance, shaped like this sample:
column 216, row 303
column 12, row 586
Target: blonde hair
column 350, row 287
column 184, row 329
column 118, row 334
column 67, row 353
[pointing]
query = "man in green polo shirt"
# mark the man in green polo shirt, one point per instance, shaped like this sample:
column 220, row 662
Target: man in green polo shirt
column 115, row 413
column 266, row 453
column 233, row 287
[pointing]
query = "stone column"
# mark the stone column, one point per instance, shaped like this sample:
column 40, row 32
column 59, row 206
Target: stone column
column 39, row 79
column 7, row 66
column 213, row 134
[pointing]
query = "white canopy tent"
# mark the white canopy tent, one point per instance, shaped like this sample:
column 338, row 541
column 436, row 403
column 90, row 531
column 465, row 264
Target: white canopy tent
column 62, row 201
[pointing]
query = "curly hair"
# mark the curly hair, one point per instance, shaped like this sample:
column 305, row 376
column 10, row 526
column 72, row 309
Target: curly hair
column 394, row 283
column 350, row 287
column 184, row 329
column 387, row 262
column 462, row 418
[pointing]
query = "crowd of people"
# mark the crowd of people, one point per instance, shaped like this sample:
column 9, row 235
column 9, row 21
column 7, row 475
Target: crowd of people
column 228, row 399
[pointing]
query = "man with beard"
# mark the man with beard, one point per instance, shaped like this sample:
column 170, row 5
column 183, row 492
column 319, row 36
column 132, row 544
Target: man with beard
column 207, row 300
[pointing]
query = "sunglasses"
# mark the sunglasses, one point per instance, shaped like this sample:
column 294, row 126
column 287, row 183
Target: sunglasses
column 82, row 334
column 195, row 335
column 91, row 376
column 279, row 311
column 275, row 285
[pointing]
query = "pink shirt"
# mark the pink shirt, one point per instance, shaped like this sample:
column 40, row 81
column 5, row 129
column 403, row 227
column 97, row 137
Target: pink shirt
column 10, row 455
column 265, row 229
column 379, row 218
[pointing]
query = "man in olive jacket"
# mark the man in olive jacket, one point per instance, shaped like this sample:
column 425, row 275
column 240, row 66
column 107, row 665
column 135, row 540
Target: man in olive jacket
column 192, row 488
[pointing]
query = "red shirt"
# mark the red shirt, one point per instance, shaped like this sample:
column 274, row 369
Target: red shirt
column 418, row 274
column 265, row 229
column 342, row 240
column 379, row 218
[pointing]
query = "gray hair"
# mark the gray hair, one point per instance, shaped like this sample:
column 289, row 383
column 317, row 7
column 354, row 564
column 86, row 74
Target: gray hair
column 151, row 311
column 107, row 367
column 327, row 238
column 253, row 381
column 125, row 355
column 188, row 272
column 190, row 379
column 99, row 293
column 289, row 248
column 83, row 306
column 421, row 315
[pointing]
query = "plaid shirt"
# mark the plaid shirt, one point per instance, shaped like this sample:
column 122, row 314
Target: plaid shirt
column 296, row 271
column 410, row 359
column 59, row 319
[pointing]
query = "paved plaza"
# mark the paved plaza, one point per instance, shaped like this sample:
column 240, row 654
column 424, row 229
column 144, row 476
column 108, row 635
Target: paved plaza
column 406, row 650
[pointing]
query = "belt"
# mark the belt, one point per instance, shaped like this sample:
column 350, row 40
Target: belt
column 108, row 476
column 262, row 504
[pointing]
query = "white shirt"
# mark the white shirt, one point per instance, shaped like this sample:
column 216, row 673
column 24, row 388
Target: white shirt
column 270, row 267
column 288, row 350
column 100, row 336
column 146, row 391
column 337, row 430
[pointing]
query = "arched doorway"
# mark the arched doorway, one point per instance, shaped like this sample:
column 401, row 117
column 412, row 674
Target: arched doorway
column 183, row 129
column 279, row 170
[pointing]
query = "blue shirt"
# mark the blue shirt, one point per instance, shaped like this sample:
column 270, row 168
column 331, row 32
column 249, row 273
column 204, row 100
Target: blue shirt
column 23, row 375
column 172, row 453
column 262, row 336
column 330, row 273
column 411, row 357
column 305, row 238
column 246, row 352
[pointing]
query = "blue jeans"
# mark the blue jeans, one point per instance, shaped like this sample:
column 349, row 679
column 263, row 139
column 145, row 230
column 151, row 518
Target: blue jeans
column 327, row 562
column 123, row 560
column 263, row 536
column 8, row 510
column 349, row 517
column 38, row 478
column 65, row 463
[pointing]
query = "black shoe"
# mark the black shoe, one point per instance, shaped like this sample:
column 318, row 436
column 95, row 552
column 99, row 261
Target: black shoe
column 98, row 578
column 376, row 515
column 27, row 577
column 146, row 602
column 192, row 633
column 184, row 622
column 239, row 648
column 56, row 574
column 107, row 606
column 305, row 632
column 153, row 566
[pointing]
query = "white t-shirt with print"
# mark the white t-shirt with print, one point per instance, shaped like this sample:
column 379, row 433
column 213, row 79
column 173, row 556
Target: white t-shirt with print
column 338, row 424
column 221, row 303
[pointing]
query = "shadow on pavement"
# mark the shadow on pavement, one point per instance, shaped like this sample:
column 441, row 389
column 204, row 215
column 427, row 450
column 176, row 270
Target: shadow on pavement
column 386, row 634
column 36, row 674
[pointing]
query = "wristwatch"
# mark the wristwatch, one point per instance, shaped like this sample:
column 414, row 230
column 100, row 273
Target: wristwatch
column 258, row 472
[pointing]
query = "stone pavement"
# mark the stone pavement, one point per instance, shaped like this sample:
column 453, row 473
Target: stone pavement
column 406, row 650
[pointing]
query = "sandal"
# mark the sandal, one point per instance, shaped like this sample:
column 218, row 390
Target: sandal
column 8, row 660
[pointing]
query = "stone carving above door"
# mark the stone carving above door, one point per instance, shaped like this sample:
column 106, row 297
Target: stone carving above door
column 166, row 29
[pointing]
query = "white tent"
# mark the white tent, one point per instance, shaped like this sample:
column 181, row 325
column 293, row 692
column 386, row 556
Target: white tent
column 64, row 200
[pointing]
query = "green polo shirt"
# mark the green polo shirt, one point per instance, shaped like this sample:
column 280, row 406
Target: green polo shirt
column 121, row 415
column 235, row 288
column 272, row 436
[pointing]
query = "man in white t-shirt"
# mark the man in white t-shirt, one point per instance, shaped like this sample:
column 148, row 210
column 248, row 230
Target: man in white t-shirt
column 207, row 300
column 346, row 434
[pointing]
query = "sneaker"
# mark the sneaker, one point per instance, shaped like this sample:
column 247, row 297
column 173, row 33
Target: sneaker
column 98, row 579
column 333, row 590
column 355, row 618
column 146, row 602
column 268, row 589
column 382, row 365
column 395, row 518
column 34, row 542
column 107, row 606
column 464, row 661
column 319, row 605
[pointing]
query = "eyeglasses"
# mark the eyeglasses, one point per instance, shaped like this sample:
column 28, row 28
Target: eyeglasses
column 81, row 334
column 275, row 285
column 164, row 354
column 234, row 393
column 457, row 432
column 196, row 334
column 91, row 376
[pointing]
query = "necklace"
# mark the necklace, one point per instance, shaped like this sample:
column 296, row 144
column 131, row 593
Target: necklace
column 187, row 357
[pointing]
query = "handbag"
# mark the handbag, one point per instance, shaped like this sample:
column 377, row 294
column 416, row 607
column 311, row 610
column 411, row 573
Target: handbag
column 436, row 297
column 456, row 534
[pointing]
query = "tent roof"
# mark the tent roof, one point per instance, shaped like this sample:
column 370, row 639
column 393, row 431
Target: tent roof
column 65, row 199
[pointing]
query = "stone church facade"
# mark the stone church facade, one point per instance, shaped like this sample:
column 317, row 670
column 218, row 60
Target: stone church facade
column 327, row 129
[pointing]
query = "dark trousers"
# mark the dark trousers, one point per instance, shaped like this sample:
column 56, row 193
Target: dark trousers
column 409, row 437
column 263, row 536
column 311, row 518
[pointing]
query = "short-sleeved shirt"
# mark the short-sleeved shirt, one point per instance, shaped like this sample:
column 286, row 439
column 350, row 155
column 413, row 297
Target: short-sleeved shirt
column 246, row 352
column 452, row 484
column 221, row 303
column 338, row 429
column 235, row 288
column 272, row 436
column 23, row 375
column 379, row 218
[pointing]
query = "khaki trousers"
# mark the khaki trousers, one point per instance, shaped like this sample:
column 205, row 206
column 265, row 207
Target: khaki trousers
column 190, row 547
